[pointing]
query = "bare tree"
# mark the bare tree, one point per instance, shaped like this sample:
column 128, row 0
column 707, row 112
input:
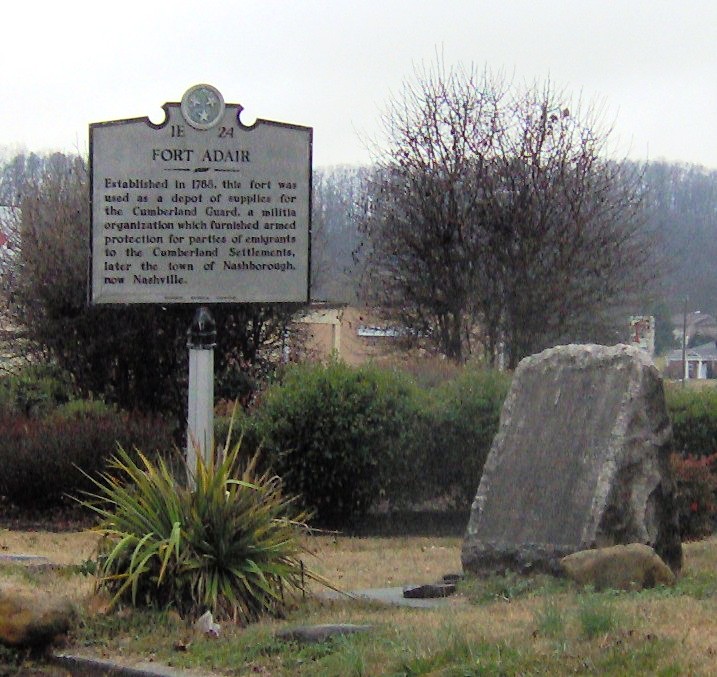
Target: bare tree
column 423, row 217
column 569, row 239
column 496, row 216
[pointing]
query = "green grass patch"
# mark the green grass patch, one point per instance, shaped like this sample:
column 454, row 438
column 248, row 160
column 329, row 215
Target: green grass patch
column 550, row 620
column 505, row 625
column 143, row 628
column 510, row 586
column 620, row 657
column 698, row 585
column 587, row 633
column 597, row 615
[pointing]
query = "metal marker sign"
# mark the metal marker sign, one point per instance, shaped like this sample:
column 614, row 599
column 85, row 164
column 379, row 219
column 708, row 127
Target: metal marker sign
column 200, row 209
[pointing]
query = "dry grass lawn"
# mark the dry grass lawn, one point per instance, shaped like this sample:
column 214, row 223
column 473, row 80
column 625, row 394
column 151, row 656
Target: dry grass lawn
column 60, row 548
column 351, row 563
column 357, row 563
column 686, row 619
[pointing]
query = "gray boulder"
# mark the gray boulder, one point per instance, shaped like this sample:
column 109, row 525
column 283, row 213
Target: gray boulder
column 320, row 633
column 580, row 461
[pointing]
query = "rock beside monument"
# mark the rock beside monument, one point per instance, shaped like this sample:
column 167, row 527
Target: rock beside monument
column 620, row 567
column 429, row 590
column 580, row 461
column 31, row 621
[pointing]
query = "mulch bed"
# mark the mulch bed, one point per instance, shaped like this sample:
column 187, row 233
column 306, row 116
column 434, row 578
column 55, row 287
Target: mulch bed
column 408, row 523
column 56, row 518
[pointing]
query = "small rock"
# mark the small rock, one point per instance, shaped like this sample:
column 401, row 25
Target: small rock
column 320, row 633
column 452, row 578
column 620, row 567
column 429, row 590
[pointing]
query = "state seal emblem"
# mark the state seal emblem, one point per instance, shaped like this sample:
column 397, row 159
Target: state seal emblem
column 202, row 106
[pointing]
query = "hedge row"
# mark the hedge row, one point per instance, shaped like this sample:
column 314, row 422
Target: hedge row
column 693, row 413
column 696, row 483
column 694, row 419
column 44, row 461
column 345, row 439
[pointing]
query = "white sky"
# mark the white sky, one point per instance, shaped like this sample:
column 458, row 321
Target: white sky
column 333, row 64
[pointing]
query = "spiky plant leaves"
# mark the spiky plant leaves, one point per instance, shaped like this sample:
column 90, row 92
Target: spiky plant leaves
column 231, row 545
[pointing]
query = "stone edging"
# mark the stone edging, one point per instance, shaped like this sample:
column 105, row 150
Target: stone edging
column 98, row 667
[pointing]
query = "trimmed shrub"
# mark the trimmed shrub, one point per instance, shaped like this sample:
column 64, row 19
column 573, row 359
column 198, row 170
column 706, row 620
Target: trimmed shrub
column 346, row 439
column 243, row 428
column 35, row 390
column 340, row 436
column 42, row 460
column 696, row 485
column 82, row 409
column 694, row 419
column 460, row 422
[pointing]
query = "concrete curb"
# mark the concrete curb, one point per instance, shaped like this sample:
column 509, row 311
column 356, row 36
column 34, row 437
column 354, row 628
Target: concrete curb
column 98, row 667
column 21, row 558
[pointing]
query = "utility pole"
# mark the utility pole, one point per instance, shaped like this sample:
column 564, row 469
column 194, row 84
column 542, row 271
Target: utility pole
column 685, row 368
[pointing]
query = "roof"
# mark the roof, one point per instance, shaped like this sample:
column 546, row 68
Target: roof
column 694, row 319
column 705, row 352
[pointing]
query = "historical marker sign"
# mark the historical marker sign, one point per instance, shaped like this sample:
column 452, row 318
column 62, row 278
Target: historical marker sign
column 200, row 209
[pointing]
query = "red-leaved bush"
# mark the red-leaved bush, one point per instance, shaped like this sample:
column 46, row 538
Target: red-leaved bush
column 696, row 485
column 40, row 460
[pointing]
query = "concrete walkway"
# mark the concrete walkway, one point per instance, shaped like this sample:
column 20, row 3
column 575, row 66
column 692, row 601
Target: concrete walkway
column 393, row 596
column 19, row 558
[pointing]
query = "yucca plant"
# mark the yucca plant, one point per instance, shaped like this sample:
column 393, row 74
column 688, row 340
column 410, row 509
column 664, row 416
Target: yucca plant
column 231, row 545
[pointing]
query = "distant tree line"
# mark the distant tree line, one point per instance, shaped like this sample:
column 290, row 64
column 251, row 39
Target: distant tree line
column 337, row 206
column 683, row 210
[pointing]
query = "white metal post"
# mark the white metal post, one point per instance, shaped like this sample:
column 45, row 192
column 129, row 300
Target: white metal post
column 200, row 416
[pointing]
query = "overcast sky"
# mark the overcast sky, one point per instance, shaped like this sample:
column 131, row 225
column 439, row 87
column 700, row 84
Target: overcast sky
column 332, row 65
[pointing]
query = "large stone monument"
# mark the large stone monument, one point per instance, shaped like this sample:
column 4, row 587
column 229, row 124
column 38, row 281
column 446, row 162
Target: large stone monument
column 581, row 460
